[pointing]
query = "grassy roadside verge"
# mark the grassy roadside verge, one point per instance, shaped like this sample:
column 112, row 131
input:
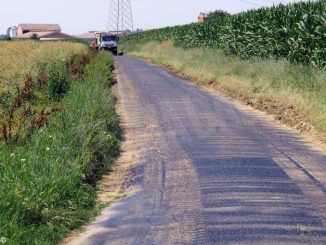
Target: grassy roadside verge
column 295, row 94
column 47, row 184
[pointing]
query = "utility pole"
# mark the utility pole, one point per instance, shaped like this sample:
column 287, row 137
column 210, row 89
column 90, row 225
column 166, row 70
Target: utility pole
column 120, row 18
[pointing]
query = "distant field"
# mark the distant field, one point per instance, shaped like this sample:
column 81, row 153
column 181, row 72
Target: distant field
column 28, row 62
column 17, row 59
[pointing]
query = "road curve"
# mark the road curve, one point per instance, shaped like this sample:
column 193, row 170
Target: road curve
column 209, row 171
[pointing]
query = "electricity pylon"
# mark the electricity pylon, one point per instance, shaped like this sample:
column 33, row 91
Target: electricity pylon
column 120, row 17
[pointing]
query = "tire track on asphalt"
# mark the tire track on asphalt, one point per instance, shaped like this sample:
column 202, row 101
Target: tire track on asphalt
column 210, row 172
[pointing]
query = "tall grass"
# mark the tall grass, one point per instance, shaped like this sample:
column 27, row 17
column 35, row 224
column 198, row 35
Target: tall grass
column 47, row 183
column 19, row 58
column 296, row 94
column 33, row 76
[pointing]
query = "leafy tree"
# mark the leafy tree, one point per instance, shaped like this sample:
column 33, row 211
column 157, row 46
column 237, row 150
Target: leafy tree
column 8, row 32
column 34, row 37
column 7, row 36
column 218, row 16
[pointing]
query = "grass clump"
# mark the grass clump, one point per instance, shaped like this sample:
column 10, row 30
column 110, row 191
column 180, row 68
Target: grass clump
column 58, row 79
column 47, row 183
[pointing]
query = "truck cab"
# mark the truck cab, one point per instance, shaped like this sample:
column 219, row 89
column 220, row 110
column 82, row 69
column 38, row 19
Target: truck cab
column 108, row 42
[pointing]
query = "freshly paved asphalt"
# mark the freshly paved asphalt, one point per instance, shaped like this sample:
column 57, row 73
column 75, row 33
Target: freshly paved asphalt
column 209, row 171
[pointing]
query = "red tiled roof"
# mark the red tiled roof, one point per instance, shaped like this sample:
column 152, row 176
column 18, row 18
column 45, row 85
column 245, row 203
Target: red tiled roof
column 56, row 35
column 45, row 35
column 40, row 27
column 88, row 35
column 30, row 34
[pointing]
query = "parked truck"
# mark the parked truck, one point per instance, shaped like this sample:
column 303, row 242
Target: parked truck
column 107, row 41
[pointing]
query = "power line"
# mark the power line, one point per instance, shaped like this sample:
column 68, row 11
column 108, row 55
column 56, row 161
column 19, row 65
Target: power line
column 275, row 2
column 251, row 3
column 269, row 1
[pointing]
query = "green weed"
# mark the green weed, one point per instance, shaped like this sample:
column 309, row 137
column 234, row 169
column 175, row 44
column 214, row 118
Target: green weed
column 47, row 184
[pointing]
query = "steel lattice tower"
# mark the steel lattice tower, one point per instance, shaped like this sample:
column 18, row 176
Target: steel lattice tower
column 120, row 16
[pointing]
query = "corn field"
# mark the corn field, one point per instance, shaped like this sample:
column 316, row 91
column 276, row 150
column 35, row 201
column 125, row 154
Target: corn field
column 296, row 32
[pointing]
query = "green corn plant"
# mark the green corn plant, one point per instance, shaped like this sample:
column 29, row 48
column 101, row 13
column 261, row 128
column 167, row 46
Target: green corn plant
column 296, row 32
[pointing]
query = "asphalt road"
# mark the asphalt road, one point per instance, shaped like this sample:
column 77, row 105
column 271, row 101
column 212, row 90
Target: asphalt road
column 209, row 171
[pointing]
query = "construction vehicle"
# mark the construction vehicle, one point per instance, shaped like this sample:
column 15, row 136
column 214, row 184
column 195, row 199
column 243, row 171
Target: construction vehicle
column 107, row 41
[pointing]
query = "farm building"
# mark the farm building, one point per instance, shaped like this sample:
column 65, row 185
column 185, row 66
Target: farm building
column 88, row 35
column 27, row 28
column 92, row 34
column 12, row 32
column 45, row 36
column 41, row 31
column 203, row 17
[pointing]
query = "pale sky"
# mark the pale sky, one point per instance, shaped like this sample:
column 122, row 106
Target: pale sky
column 79, row 16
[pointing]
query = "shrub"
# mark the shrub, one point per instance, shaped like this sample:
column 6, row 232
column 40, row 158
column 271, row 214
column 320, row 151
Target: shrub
column 58, row 79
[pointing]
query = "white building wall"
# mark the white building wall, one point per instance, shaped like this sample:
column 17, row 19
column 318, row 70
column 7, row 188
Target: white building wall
column 13, row 31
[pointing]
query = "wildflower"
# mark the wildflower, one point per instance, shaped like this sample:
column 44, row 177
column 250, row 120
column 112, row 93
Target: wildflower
column 3, row 240
column 48, row 148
